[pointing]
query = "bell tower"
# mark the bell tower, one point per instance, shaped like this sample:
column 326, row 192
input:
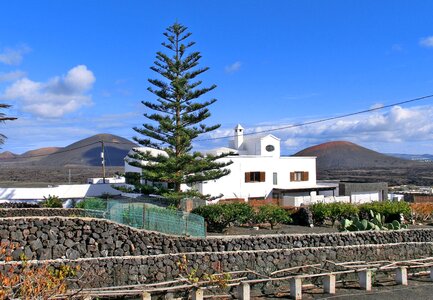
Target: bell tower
column 239, row 136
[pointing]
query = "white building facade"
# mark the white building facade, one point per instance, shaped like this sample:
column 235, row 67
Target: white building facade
column 258, row 171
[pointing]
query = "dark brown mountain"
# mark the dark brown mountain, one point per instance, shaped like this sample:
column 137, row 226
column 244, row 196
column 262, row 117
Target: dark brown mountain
column 346, row 155
column 86, row 152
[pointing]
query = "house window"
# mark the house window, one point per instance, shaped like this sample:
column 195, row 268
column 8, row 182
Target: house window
column 255, row 176
column 270, row 148
column 299, row 176
column 275, row 178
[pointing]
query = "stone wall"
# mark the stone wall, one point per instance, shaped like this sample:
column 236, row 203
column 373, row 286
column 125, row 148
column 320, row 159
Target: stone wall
column 41, row 212
column 109, row 271
column 60, row 237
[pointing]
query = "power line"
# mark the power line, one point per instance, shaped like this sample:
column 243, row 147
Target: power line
column 250, row 133
column 321, row 120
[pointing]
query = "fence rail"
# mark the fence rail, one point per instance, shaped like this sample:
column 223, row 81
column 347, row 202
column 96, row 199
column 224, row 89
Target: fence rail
column 143, row 214
column 295, row 275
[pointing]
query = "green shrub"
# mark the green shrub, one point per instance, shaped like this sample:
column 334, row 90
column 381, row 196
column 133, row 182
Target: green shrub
column 273, row 215
column 390, row 209
column 220, row 216
column 321, row 212
column 333, row 212
column 52, row 202
column 92, row 203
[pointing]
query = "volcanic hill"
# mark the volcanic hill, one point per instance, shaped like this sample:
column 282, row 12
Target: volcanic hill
column 347, row 155
column 86, row 152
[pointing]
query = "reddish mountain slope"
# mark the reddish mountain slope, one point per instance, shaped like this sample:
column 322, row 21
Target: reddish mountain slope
column 7, row 154
column 347, row 155
column 41, row 151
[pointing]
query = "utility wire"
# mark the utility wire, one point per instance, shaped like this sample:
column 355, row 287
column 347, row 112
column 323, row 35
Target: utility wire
column 321, row 120
column 250, row 133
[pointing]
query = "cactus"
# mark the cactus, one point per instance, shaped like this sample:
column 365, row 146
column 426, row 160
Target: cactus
column 377, row 222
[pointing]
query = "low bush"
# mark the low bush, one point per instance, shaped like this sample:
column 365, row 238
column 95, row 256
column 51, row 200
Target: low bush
column 391, row 210
column 333, row 212
column 220, row 216
column 422, row 211
column 92, row 203
column 52, row 202
column 273, row 215
column 21, row 280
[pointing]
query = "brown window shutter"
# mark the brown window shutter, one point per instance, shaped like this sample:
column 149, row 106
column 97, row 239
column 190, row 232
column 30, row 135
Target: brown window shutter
column 304, row 176
column 262, row 176
column 247, row 177
column 292, row 176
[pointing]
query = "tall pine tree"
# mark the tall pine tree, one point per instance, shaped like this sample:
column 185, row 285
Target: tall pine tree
column 176, row 118
column 4, row 118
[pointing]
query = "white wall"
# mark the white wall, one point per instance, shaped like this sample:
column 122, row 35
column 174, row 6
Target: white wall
column 107, row 180
column 73, row 191
column 364, row 197
column 270, row 140
column 234, row 185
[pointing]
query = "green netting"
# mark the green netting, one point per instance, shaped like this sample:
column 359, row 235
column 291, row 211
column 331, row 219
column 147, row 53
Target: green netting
column 143, row 215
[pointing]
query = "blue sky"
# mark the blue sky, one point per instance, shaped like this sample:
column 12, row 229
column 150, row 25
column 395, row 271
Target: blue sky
column 72, row 69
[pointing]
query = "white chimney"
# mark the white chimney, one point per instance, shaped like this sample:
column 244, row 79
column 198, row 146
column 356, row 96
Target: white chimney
column 239, row 136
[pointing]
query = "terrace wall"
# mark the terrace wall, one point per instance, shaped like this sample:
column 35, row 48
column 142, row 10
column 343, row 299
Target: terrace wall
column 60, row 237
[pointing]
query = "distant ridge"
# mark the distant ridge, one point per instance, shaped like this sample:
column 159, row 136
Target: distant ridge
column 346, row 155
column 40, row 151
column 417, row 157
column 86, row 152
column 7, row 154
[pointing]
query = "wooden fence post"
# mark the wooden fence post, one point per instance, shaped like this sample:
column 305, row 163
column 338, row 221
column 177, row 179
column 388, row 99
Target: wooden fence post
column 244, row 291
column 401, row 276
column 329, row 284
column 146, row 296
column 365, row 280
column 296, row 288
column 197, row 294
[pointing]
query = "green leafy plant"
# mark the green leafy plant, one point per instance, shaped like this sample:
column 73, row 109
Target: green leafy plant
column 333, row 212
column 92, row 203
column 273, row 215
column 192, row 275
column 52, row 202
column 391, row 210
column 220, row 216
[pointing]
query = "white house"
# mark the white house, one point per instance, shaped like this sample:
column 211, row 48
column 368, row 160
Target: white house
column 259, row 171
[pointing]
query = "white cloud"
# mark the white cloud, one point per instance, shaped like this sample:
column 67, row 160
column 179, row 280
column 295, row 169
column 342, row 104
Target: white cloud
column 11, row 76
column 397, row 129
column 13, row 56
column 376, row 106
column 234, row 67
column 28, row 133
column 427, row 42
column 56, row 97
